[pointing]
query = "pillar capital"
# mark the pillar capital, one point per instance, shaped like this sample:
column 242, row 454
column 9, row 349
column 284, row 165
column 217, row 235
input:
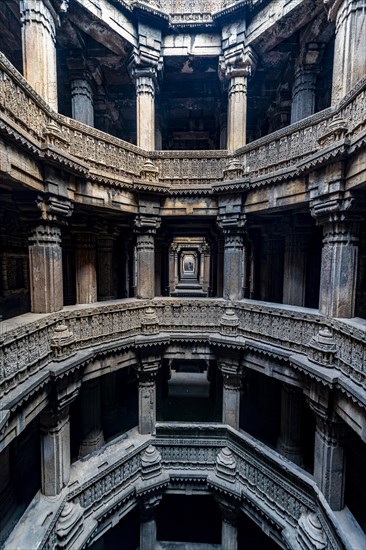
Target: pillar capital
column 145, row 224
column 238, row 61
column 40, row 12
column 232, row 224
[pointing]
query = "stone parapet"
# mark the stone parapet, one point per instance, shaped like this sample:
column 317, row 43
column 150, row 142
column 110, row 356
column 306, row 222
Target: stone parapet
column 264, row 486
column 106, row 160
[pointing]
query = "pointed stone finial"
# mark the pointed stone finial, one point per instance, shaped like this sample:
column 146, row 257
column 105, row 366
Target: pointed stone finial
column 234, row 170
column 310, row 534
column 68, row 524
column 323, row 348
column 226, row 465
column 149, row 172
column 150, row 462
column 62, row 342
column 229, row 323
column 150, row 322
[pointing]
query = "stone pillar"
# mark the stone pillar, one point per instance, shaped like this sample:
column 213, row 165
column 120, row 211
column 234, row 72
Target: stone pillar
column 105, row 278
column 338, row 266
column 45, row 268
column 38, row 20
column 229, row 530
column 145, row 229
column 145, row 82
column 82, row 102
column 271, row 288
column 237, row 65
column 349, row 48
column 329, row 460
column 110, row 404
column 289, row 443
column 233, row 231
column 86, row 268
column 146, row 373
column 90, row 417
column 148, row 512
column 230, row 391
column 303, row 94
column 294, row 276
column 55, row 451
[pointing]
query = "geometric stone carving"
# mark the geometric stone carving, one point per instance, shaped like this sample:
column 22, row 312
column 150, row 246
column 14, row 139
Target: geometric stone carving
column 150, row 462
column 234, row 170
column 62, row 342
column 226, row 465
column 150, row 322
column 68, row 525
column 149, row 172
column 323, row 348
column 310, row 534
column 229, row 323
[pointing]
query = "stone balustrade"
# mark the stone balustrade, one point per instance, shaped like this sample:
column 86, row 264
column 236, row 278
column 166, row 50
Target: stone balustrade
column 293, row 150
column 284, row 331
column 212, row 459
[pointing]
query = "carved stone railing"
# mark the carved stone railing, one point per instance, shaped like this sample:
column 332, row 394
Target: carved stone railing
column 31, row 347
column 99, row 157
column 188, row 456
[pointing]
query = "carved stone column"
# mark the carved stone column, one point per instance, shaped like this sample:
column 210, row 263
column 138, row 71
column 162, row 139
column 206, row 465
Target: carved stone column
column 146, row 373
column 39, row 20
column 82, row 100
column 145, row 229
column 349, row 48
column 303, row 94
column 86, row 268
column 271, row 288
column 148, row 512
column 338, row 265
column 289, row 443
column 45, row 268
column 232, row 228
column 110, row 402
column 55, row 451
column 91, row 420
column 237, row 65
column 231, row 391
column 294, row 276
column 145, row 82
column 229, row 530
column 329, row 455
column 106, row 286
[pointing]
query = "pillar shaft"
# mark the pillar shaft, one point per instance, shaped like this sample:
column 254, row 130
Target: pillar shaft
column 91, row 421
column 229, row 528
column 231, row 400
column 86, row 268
column 106, row 286
column 237, row 112
column 45, row 265
column 147, row 403
column 39, row 48
column 110, row 401
column 339, row 269
column 55, row 451
column 303, row 94
column 82, row 102
column 145, row 107
column 294, row 277
column 349, row 48
column 233, row 266
column 145, row 265
column 329, row 462
column 289, row 443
